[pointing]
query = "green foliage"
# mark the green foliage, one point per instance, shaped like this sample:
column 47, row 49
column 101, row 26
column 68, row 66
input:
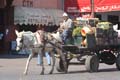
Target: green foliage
column 76, row 31
column 104, row 25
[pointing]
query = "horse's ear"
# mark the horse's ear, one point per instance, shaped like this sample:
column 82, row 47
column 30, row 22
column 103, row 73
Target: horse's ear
column 16, row 32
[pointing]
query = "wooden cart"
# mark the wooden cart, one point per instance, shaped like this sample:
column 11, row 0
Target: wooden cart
column 102, row 47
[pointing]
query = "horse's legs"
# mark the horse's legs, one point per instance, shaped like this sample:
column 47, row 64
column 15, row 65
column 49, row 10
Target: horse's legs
column 27, row 64
column 42, row 63
column 63, row 57
column 53, row 61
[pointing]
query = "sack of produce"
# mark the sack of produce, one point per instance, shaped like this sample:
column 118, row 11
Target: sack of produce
column 104, row 25
column 86, row 30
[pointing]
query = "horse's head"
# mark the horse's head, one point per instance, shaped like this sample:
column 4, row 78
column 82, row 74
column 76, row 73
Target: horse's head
column 19, row 39
column 24, row 39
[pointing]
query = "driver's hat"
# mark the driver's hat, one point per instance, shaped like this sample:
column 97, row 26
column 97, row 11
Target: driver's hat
column 65, row 14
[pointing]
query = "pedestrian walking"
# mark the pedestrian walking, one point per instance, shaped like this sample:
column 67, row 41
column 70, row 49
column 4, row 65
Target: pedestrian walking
column 40, row 39
column 47, row 57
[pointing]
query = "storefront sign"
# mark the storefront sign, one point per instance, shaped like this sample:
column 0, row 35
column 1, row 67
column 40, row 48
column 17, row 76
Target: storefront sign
column 24, row 15
column 85, row 5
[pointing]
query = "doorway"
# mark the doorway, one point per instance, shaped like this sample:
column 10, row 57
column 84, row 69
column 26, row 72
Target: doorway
column 114, row 20
column 1, row 30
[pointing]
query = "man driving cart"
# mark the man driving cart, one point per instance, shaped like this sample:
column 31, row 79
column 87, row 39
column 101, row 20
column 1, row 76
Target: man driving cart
column 66, row 28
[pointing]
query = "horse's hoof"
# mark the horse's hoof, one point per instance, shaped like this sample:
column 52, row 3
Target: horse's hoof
column 42, row 73
column 66, row 72
column 25, row 73
column 49, row 64
column 50, row 73
column 39, row 65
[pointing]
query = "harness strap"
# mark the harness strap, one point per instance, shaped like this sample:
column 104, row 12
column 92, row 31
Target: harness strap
column 41, row 36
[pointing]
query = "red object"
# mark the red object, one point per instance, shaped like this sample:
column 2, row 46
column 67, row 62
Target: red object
column 85, row 5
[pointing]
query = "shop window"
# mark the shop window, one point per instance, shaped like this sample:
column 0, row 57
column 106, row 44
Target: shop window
column 98, row 16
column 114, row 20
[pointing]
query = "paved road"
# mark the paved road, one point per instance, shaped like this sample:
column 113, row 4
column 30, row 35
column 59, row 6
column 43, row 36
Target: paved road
column 12, row 69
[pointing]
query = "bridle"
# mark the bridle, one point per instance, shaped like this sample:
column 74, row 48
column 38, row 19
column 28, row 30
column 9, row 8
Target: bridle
column 21, row 42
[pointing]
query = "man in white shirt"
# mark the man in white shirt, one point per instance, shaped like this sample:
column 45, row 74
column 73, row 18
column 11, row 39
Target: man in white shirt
column 66, row 27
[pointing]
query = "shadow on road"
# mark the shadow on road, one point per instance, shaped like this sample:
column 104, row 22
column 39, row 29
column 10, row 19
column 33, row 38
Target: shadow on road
column 85, row 71
column 100, row 70
column 12, row 56
column 73, row 72
column 108, row 70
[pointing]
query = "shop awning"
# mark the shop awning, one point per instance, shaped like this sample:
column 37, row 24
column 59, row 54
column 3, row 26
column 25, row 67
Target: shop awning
column 85, row 6
column 24, row 15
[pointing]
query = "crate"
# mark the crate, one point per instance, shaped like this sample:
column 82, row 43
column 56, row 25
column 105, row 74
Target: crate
column 107, row 41
column 99, row 41
column 91, row 41
column 99, row 33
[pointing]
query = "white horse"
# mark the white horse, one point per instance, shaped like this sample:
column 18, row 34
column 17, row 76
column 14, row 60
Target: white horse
column 28, row 40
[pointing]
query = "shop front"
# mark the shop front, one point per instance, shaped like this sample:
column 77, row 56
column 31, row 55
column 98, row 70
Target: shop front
column 24, row 18
column 84, row 7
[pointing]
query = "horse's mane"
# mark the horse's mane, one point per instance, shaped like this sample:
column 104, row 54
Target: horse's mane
column 27, row 32
column 57, row 36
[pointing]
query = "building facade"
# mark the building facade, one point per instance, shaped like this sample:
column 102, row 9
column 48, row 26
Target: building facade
column 113, row 17
column 34, row 3
column 106, row 10
column 7, row 11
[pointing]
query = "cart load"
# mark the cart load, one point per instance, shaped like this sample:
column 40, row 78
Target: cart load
column 83, row 29
column 94, row 42
column 105, row 34
column 97, row 34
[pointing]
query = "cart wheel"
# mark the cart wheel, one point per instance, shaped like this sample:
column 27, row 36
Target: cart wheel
column 60, row 67
column 92, row 63
column 118, row 62
column 107, row 57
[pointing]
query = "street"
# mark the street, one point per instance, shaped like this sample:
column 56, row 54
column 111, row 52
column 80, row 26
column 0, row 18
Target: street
column 11, row 68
